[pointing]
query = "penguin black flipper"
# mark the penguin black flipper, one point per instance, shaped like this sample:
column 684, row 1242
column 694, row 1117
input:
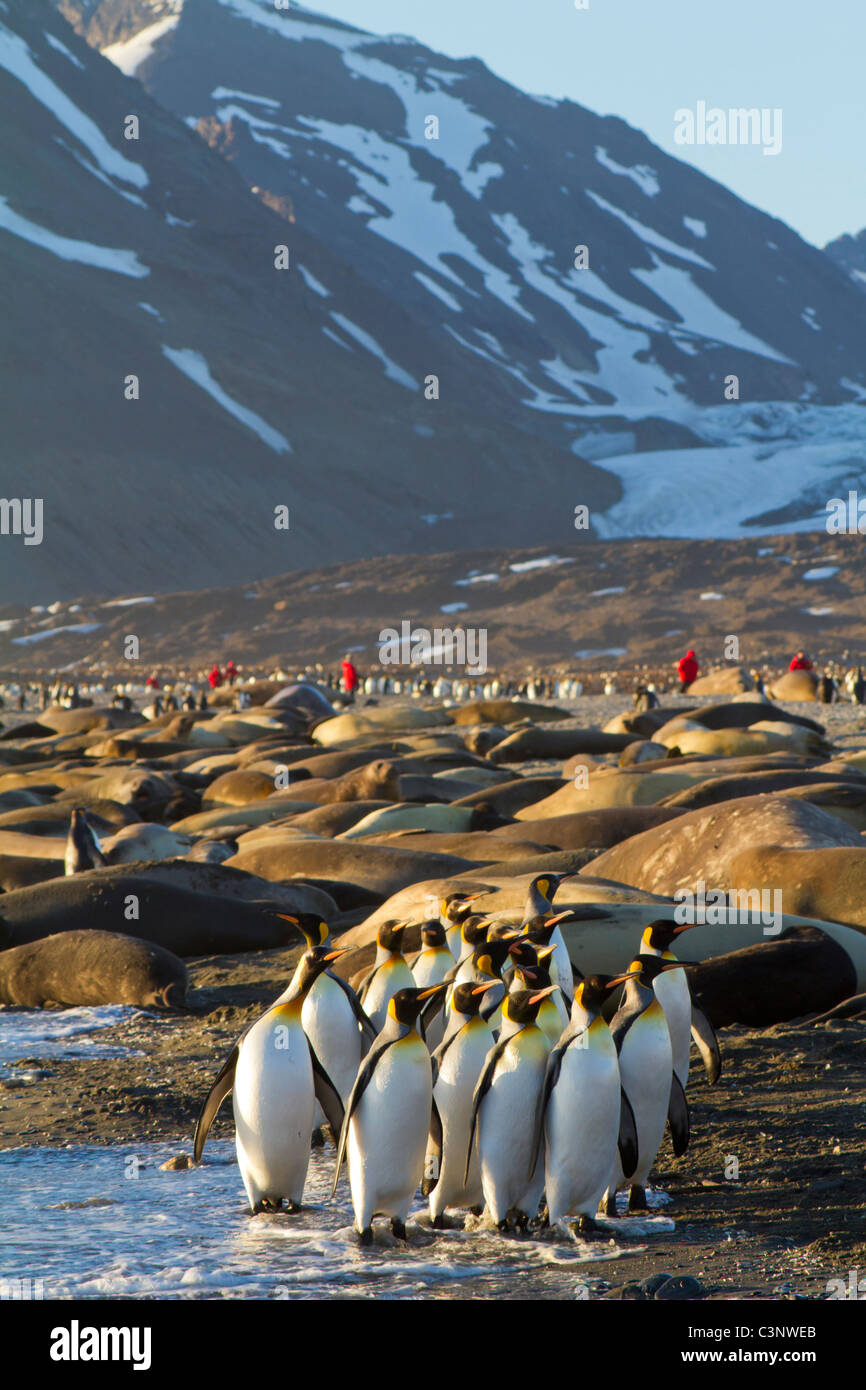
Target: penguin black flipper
column 438, row 1056
column 367, row 1029
column 627, row 1142
column 362, row 1081
column 485, row 1081
column 214, row 1099
column 429, row 1012
column 704, row 1038
column 364, row 986
column 678, row 1116
column 551, row 1076
column 433, row 1160
column 326, row 1093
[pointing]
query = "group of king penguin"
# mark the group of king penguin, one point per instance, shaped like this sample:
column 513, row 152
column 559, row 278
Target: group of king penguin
column 488, row 1071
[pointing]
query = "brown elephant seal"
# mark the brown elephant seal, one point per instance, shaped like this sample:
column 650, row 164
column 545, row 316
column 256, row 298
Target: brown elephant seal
column 382, row 869
column 724, row 680
column 795, row 686
column 827, row 882
column 20, row 871
column 702, row 846
column 333, row 818
column 801, row 972
column 507, row 712
column 92, row 967
column 510, row 798
column 143, row 790
column 237, row 788
column 644, row 750
column 160, row 908
column 526, row 744
column 715, row 790
column 588, row 829
column 53, row 818
column 741, row 714
column 376, row 781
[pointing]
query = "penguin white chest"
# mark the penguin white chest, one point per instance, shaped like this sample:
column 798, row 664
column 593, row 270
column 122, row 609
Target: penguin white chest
column 387, row 1135
column 273, row 1104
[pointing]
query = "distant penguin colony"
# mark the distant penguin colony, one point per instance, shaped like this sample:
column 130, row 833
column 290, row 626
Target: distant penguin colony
column 483, row 1074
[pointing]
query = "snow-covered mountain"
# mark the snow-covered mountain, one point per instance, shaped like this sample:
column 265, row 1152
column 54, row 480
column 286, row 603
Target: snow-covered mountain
column 166, row 387
column 849, row 252
column 498, row 306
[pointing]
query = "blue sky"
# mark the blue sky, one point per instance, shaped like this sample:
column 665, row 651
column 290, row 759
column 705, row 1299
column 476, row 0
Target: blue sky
column 644, row 59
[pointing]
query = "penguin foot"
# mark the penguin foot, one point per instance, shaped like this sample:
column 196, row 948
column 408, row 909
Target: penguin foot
column 268, row 1204
column 293, row 1208
column 365, row 1237
column 477, row 1210
column 587, row 1225
column 399, row 1229
column 608, row 1204
column 317, row 1139
column 502, row 1225
column 544, row 1218
column 438, row 1222
column 637, row 1199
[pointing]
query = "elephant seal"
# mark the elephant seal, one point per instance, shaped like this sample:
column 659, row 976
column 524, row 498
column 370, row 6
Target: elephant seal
column 741, row 714
column 510, row 798
column 332, row 819
column 526, row 744
column 438, row 817
column 144, row 843
column 645, row 723
column 827, row 882
column 508, row 712
column 715, row 790
column 376, row 781
column 645, row 785
column 725, row 680
column 53, row 818
column 478, row 846
column 756, row 740
column 703, row 845
column 139, row 788
column 795, row 686
column 237, row 788
column 375, row 721
column 20, row 871
column 588, row 829
column 803, row 971
column 181, row 919
column 92, row 967
column 424, row 790
column 644, row 750
column 382, row 870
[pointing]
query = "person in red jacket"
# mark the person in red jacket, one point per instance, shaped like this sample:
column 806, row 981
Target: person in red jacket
column 687, row 670
column 231, row 673
column 152, row 682
column 350, row 676
column 215, row 679
column 800, row 662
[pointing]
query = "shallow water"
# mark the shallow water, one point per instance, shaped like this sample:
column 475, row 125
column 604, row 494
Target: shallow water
column 65, row 1033
column 105, row 1222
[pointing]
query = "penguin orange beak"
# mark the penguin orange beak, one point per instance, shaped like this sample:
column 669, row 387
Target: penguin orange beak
column 617, row 980
column 545, row 951
column 336, row 954
column 480, row 989
column 537, row 998
column 678, row 931
column 435, row 989
column 560, row 917
column 286, row 918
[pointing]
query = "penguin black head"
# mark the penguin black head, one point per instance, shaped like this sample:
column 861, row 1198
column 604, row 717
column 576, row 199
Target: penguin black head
column 314, row 931
column 433, row 935
column 522, row 1006
column 532, row 977
column 522, row 951
column 457, row 906
column 405, row 1006
column 468, row 998
column 592, row 991
column 547, row 884
column 646, row 969
column 490, row 956
column 314, row 963
column 541, row 928
column 661, row 933
column 389, row 935
column 474, row 930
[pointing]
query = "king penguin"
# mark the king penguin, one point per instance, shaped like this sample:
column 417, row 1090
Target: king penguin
column 453, row 910
column 339, row 1030
column 503, row 1113
column 389, row 974
column 685, row 1019
column 388, row 1119
column 276, row 1078
column 584, row 1113
column 82, row 845
column 434, row 960
column 457, row 1065
column 640, row 1032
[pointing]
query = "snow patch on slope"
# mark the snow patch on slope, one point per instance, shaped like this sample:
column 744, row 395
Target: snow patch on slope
column 85, row 252
column 194, row 366
column 392, row 371
column 129, row 54
column 16, row 59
